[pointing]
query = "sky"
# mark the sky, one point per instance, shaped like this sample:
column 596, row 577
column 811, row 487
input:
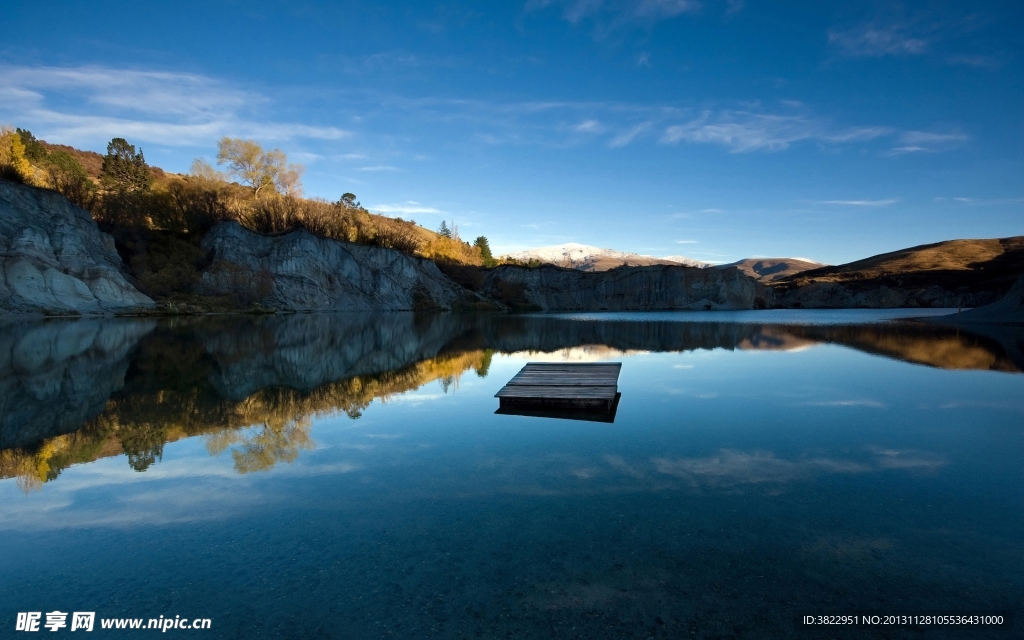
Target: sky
column 718, row 130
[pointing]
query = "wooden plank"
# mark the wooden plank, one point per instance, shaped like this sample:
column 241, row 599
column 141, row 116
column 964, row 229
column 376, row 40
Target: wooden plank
column 557, row 392
column 568, row 384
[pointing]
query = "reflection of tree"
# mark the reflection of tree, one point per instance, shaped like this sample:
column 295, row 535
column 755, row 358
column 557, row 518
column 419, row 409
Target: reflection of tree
column 143, row 443
column 260, row 448
column 171, row 399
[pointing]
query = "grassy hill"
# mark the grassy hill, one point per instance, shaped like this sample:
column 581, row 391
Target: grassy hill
column 990, row 265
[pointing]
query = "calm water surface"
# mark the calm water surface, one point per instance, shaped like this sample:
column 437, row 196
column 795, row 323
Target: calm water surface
column 345, row 476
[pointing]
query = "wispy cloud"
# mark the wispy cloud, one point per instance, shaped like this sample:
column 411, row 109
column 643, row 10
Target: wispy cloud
column 91, row 104
column 608, row 15
column 628, row 135
column 927, row 142
column 872, row 40
column 861, row 203
column 405, row 208
column 378, row 167
column 589, row 126
column 686, row 242
column 744, row 131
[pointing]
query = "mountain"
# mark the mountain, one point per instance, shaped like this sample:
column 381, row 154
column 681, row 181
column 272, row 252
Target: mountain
column 771, row 269
column 586, row 258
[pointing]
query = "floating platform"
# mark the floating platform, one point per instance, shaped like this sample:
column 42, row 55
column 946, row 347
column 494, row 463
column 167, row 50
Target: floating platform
column 574, row 391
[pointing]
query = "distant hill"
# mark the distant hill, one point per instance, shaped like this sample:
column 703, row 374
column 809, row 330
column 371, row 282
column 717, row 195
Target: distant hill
column 771, row 269
column 582, row 257
column 984, row 268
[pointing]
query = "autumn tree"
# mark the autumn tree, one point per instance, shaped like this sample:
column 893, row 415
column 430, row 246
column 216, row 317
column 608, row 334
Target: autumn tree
column 13, row 164
column 259, row 169
column 124, row 169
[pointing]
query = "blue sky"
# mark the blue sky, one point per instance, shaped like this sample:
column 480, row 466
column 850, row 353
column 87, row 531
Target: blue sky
column 714, row 129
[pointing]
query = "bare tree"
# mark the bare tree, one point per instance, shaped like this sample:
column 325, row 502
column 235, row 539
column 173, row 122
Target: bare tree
column 260, row 169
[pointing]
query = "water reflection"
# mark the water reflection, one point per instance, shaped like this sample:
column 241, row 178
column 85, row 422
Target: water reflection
column 76, row 391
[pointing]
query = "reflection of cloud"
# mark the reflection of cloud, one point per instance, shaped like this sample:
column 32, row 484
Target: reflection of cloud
column 617, row 463
column 962, row 404
column 729, row 467
column 874, row 404
column 908, row 459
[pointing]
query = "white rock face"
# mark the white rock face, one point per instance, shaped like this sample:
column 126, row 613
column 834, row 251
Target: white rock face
column 55, row 260
column 298, row 271
column 587, row 258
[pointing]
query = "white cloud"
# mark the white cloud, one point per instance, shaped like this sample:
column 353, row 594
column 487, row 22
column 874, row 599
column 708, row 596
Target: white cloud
column 405, row 208
column 686, row 242
column 88, row 105
column 861, row 203
column 875, row 41
column 744, row 131
column 627, row 136
column 589, row 126
column 378, row 167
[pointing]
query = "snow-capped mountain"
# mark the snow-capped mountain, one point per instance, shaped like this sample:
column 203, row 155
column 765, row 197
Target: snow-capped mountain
column 586, row 258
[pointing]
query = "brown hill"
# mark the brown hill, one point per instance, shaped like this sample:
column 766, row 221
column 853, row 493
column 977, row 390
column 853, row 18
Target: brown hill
column 986, row 267
column 772, row 269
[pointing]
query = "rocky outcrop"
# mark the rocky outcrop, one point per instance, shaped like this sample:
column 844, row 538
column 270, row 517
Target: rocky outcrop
column 625, row 289
column 55, row 260
column 298, row 271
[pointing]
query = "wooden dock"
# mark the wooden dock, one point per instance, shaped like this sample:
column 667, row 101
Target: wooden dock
column 587, row 391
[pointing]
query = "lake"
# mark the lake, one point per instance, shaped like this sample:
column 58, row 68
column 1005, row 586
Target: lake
column 346, row 476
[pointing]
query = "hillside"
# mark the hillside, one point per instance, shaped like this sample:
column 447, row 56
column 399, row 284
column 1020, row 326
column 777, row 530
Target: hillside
column 771, row 269
column 991, row 264
column 952, row 273
column 573, row 255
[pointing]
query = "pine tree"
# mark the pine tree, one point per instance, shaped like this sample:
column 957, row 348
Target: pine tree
column 485, row 251
column 124, row 169
column 444, row 231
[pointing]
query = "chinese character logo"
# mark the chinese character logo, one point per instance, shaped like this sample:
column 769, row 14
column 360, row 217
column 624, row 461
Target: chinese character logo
column 56, row 620
column 28, row 621
column 83, row 620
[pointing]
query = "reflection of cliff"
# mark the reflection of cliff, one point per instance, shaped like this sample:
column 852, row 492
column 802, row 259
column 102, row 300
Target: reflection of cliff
column 55, row 375
column 175, row 388
column 76, row 391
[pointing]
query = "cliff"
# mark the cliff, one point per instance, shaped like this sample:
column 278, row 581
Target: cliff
column 625, row 289
column 55, row 260
column 298, row 271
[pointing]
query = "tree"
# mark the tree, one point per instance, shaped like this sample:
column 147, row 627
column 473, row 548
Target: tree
column 259, row 169
column 204, row 172
column 13, row 164
column 485, row 251
column 348, row 200
column 124, row 169
column 34, row 149
column 66, row 175
column 444, row 231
